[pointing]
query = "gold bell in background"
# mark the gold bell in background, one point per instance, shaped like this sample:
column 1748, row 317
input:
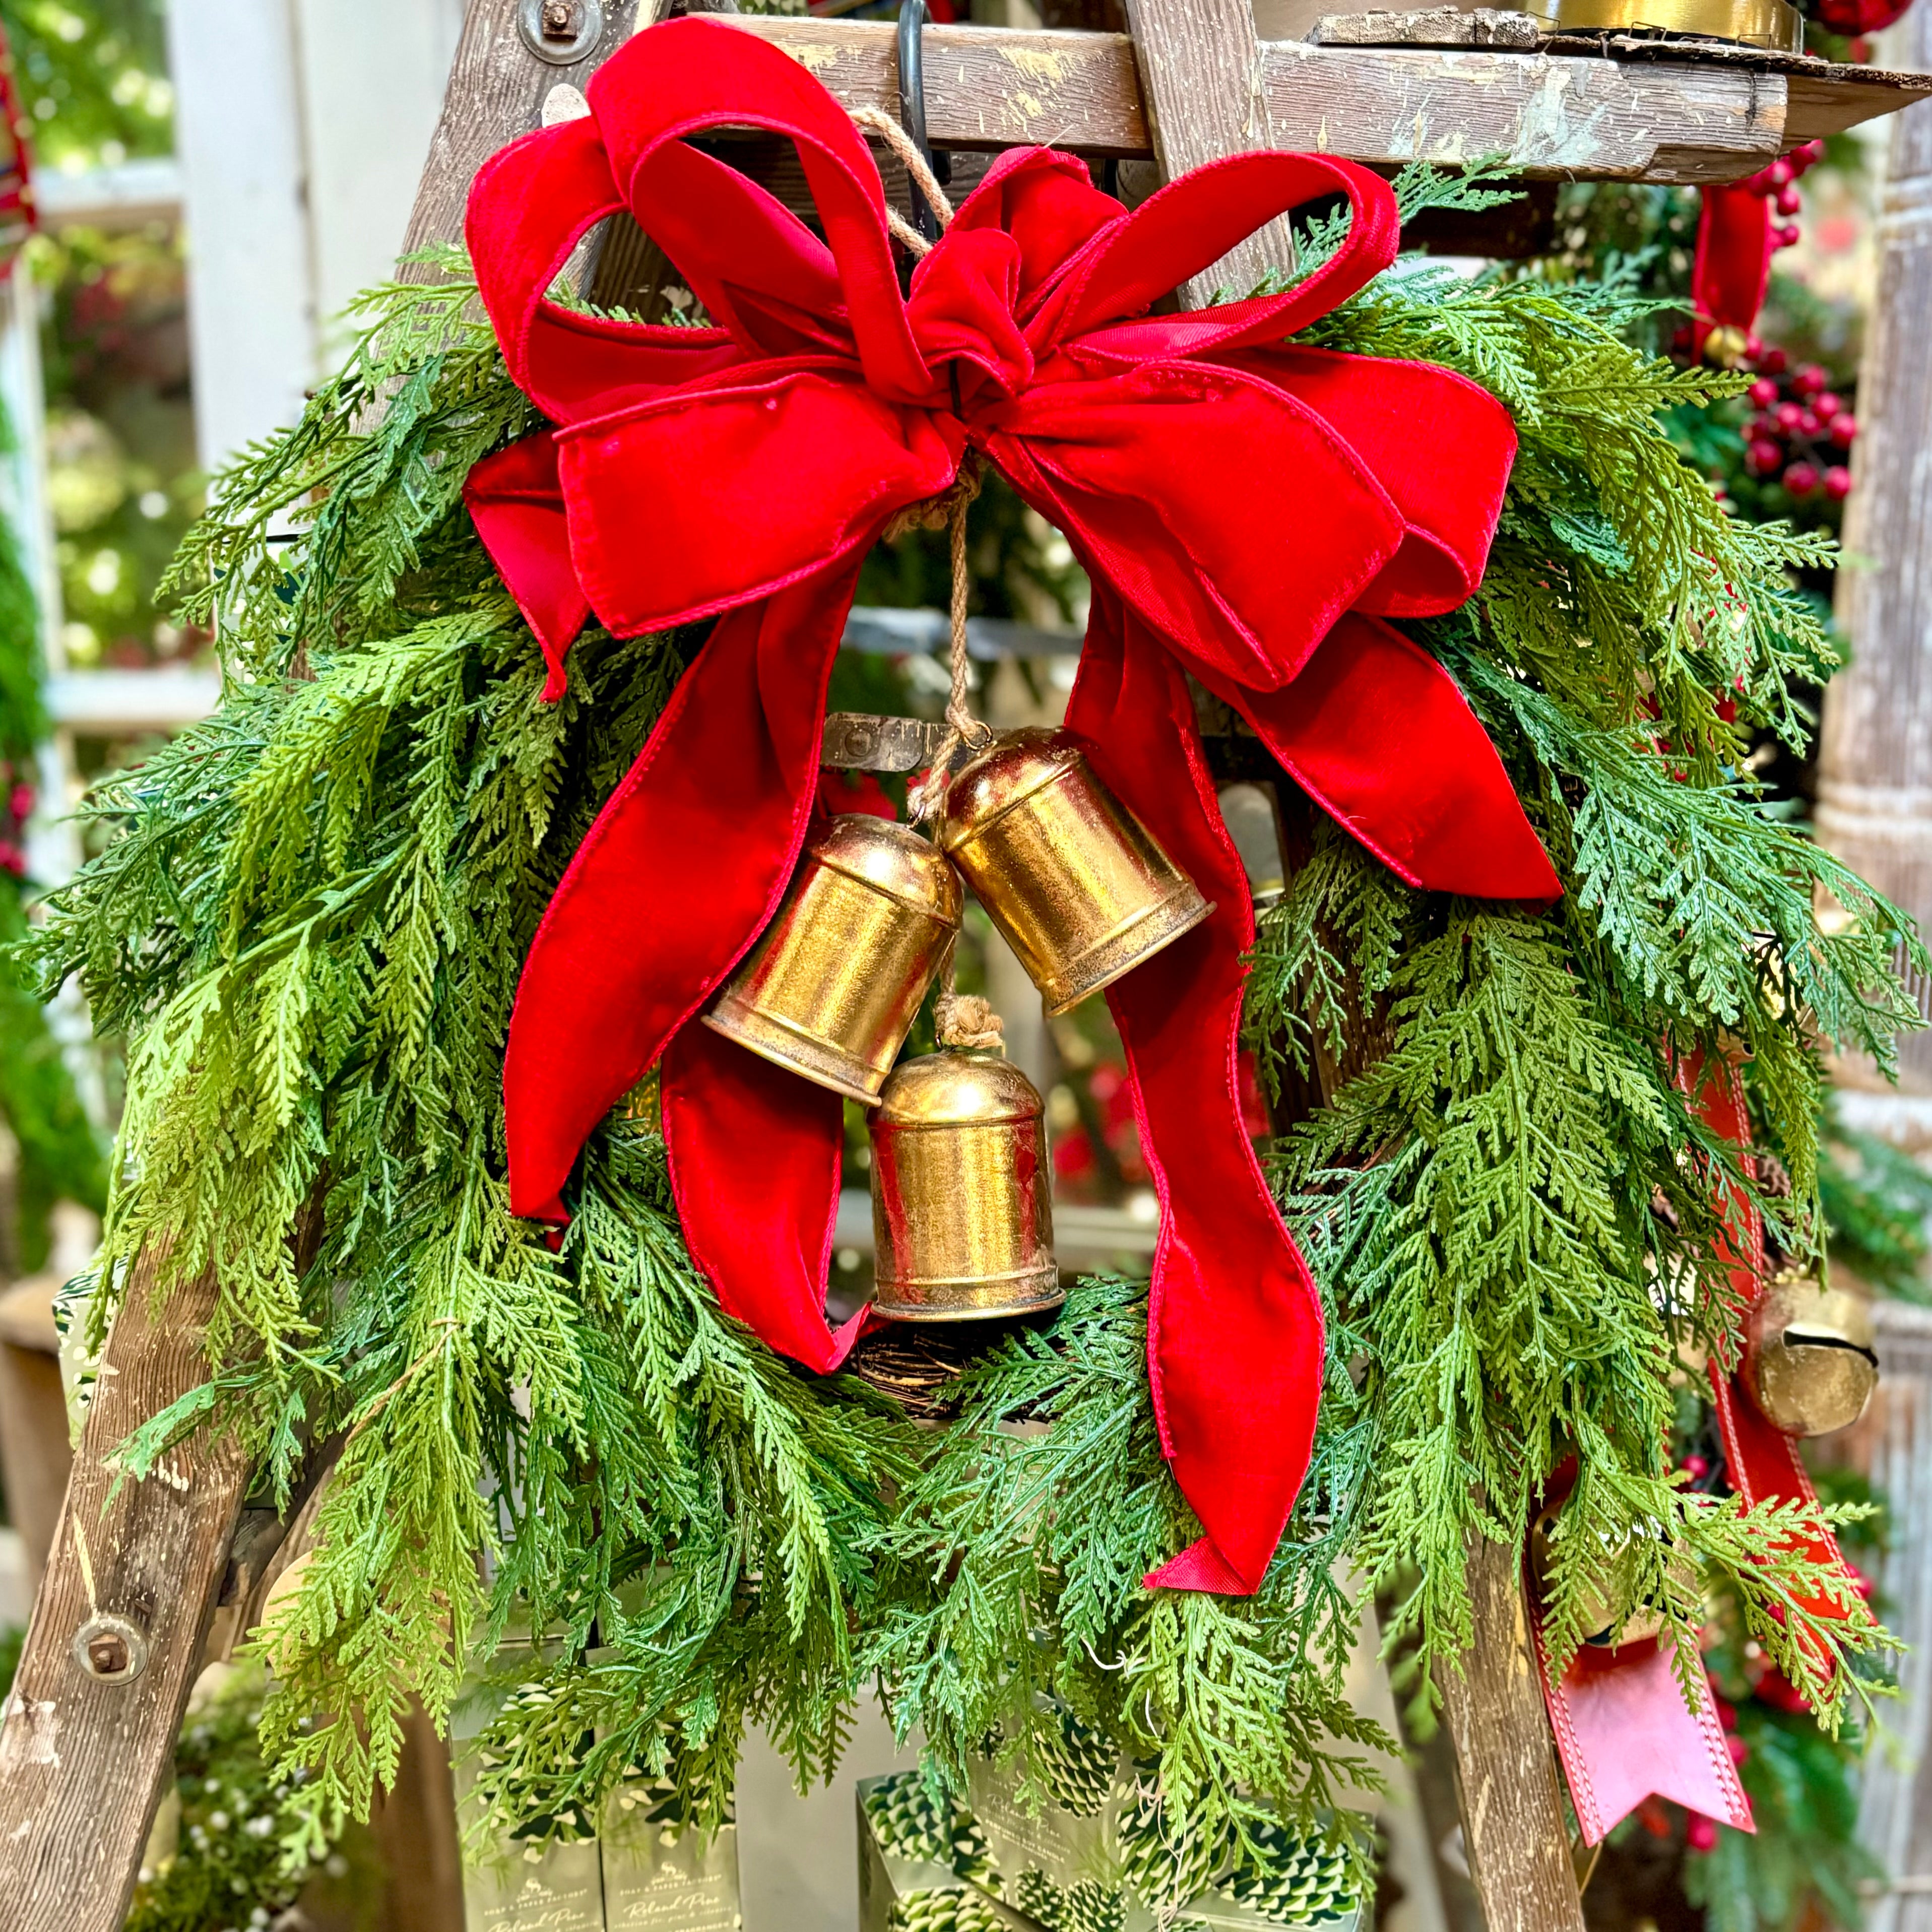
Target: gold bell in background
column 962, row 1208
column 1608, row 1624
column 832, row 987
column 1074, row 881
column 1810, row 1360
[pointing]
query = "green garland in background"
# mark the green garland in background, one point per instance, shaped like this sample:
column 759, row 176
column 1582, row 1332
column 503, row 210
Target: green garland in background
column 60, row 1153
column 309, row 928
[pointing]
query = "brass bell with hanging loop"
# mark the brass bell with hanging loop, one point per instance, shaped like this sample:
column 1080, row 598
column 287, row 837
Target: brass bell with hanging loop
column 962, row 1206
column 833, row 987
column 1810, row 1356
column 1076, row 884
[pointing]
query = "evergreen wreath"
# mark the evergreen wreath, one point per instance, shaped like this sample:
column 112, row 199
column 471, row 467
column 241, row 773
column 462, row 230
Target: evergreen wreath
column 308, row 925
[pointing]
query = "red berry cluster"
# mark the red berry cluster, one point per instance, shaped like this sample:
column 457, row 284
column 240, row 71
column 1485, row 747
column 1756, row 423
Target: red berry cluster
column 1778, row 184
column 17, row 807
column 1802, row 432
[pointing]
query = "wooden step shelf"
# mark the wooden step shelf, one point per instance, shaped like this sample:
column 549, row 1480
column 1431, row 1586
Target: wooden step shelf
column 1614, row 110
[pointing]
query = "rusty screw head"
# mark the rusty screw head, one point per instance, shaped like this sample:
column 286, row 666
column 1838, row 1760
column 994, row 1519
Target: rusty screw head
column 560, row 32
column 111, row 1649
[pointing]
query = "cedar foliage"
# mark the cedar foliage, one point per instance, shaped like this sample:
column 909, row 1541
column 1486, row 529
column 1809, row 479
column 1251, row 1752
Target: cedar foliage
column 309, row 927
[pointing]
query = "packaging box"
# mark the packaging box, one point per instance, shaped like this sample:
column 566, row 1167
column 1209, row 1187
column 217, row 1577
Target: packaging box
column 1089, row 1856
column 915, row 1862
column 659, row 1879
column 641, row 1874
column 518, row 1887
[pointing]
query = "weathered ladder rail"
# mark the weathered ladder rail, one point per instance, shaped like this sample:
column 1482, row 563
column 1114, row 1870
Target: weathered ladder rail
column 83, row 1761
column 1551, row 115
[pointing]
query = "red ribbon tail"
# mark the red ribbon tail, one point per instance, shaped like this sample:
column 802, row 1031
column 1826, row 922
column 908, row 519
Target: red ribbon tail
column 755, row 1160
column 1762, row 1462
column 1201, row 1566
column 516, row 502
column 1381, row 737
column 684, row 866
column 1234, row 1324
column 1624, row 1732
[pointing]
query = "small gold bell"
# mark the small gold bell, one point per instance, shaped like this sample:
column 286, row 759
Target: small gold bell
column 962, row 1210
column 1074, row 881
column 1608, row 1624
column 1725, row 345
column 1809, row 1360
column 832, row 987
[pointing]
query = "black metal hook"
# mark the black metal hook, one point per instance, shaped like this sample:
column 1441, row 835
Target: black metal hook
column 912, row 111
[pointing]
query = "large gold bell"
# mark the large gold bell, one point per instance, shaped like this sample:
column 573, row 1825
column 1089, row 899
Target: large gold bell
column 962, row 1208
column 1075, row 882
column 832, row 989
column 1811, row 1363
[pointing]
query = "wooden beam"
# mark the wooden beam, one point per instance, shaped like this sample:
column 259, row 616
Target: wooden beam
column 986, row 87
column 1549, row 116
column 1553, row 116
column 83, row 1756
column 1514, row 1831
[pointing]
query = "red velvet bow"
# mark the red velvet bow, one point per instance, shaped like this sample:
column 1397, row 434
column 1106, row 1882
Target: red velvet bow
column 1247, row 511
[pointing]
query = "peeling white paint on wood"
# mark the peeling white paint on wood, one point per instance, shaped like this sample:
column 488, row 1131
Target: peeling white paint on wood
column 29, row 1736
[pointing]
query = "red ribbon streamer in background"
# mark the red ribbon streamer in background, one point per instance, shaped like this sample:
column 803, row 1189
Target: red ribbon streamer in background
column 1249, row 512
column 1622, row 1727
column 1731, row 268
column 1762, row 1462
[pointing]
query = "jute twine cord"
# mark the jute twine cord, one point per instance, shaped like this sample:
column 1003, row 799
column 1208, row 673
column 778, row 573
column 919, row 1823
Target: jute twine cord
column 963, row 1019
column 876, row 121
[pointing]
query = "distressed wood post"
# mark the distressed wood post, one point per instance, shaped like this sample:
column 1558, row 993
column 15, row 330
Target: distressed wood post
column 1200, row 77
column 87, row 1739
column 1875, row 766
column 1875, row 812
column 497, row 88
column 1514, row 1830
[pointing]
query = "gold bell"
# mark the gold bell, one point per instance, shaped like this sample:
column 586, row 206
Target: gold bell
column 1074, row 881
column 1811, row 1363
column 962, row 1208
column 832, row 989
column 1608, row 1624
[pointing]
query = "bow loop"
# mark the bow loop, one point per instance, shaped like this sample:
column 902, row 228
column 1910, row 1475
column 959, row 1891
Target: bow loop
column 849, row 458
column 757, row 267
column 963, row 297
column 694, row 86
column 1199, row 492
column 1185, row 228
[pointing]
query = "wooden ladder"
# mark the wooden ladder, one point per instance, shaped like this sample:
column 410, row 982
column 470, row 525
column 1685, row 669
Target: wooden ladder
column 137, row 1575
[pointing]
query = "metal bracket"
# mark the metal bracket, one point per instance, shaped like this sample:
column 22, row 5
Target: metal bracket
column 858, row 742
column 560, row 31
column 912, row 111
